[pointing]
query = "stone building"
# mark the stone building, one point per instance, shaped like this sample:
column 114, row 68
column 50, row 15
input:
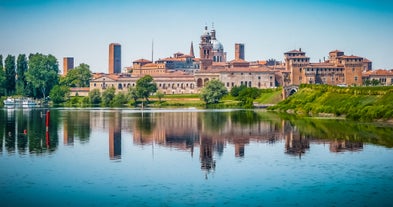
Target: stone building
column 183, row 73
column 339, row 69
column 384, row 77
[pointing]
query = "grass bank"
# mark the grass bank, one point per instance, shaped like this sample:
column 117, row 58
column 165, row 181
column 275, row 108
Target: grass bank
column 356, row 103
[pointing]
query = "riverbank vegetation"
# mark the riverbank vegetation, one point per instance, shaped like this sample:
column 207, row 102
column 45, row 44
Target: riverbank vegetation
column 355, row 103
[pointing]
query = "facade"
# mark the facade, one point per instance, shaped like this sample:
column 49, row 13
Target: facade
column 114, row 58
column 68, row 64
column 340, row 69
column 384, row 77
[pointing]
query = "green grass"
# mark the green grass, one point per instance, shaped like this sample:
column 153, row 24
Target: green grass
column 357, row 103
column 273, row 97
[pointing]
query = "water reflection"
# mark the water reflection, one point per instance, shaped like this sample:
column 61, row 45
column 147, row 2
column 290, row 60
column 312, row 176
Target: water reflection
column 24, row 131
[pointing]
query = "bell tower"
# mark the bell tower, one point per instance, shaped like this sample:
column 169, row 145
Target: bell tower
column 205, row 50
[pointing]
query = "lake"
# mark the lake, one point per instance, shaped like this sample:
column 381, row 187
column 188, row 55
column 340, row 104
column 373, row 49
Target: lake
column 191, row 157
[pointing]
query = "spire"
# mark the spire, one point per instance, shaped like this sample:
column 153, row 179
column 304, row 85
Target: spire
column 192, row 50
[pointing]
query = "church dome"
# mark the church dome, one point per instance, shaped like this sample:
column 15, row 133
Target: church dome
column 217, row 45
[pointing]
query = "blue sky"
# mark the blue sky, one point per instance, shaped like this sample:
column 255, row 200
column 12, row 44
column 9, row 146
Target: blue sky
column 84, row 29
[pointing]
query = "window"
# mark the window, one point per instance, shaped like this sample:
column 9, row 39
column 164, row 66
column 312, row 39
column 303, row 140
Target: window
column 249, row 84
column 356, row 78
column 259, row 77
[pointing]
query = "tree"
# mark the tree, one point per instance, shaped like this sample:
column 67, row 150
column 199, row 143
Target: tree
column 2, row 77
column 145, row 86
column 10, row 75
column 21, row 68
column 160, row 95
column 133, row 94
column 119, row 99
column 95, row 96
column 59, row 94
column 236, row 90
column 213, row 92
column 42, row 74
column 107, row 96
column 78, row 77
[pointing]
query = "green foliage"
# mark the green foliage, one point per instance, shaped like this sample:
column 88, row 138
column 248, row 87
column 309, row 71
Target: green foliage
column 357, row 103
column 145, row 87
column 120, row 99
column 21, row 68
column 78, row 77
column 236, row 90
column 42, row 74
column 133, row 94
column 10, row 75
column 95, row 96
column 213, row 92
column 107, row 96
column 2, row 77
column 59, row 94
column 159, row 95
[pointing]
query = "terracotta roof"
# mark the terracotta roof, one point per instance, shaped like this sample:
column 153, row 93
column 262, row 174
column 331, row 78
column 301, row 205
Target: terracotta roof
column 85, row 89
column 238, row 61
column 349, row 57
column 335, row 51
column 141, row 61
column 379, row 72
column 365, row 60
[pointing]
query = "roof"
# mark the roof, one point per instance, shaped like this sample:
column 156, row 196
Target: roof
column 335, row 51
column 365, row 60
column 379, row 72
column 141, row 61
column 350, row 57
column 85, row 89
column 294, row 51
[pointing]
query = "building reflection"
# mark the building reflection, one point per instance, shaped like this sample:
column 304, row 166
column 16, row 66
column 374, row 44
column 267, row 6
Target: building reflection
column 115, row 136
column 205, row 134
column 344, row 145
column 206, row 153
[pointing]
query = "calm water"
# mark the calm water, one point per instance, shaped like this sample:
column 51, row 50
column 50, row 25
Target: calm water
column 123, row 157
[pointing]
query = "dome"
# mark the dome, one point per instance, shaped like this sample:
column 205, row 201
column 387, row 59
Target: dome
column 217, row 45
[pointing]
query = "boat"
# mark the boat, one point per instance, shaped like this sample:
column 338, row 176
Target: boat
column 28, row 103
column 19, row 102
column 9, row 102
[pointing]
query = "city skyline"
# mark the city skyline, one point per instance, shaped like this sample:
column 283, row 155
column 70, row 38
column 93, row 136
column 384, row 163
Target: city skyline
column 84, row 29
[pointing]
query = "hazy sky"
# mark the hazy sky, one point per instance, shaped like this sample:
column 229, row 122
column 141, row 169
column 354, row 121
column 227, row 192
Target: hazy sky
column 83, row 29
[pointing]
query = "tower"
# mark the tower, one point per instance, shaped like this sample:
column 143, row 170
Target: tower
column 192, row 50
column 68, row 64
column 205, row 50
column 239, row 51
column 114, row 58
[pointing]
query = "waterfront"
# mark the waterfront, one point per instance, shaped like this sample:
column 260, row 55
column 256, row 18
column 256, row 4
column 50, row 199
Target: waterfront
column 178, row 157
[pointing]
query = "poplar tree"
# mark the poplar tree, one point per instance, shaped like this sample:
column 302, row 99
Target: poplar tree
column 2, row 77
column 10, row 74
column 21, row 68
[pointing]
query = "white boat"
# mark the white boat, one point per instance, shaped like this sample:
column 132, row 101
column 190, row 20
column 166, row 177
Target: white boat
column 28, row 103
column 19, row 102
column 9, row 102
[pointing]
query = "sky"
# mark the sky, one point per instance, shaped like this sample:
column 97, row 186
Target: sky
column 83, row 29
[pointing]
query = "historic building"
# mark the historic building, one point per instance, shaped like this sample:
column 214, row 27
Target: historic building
column 339, row 69
column 184, row 73
column 114, row 58
column 68, row 64
column 383, row 77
